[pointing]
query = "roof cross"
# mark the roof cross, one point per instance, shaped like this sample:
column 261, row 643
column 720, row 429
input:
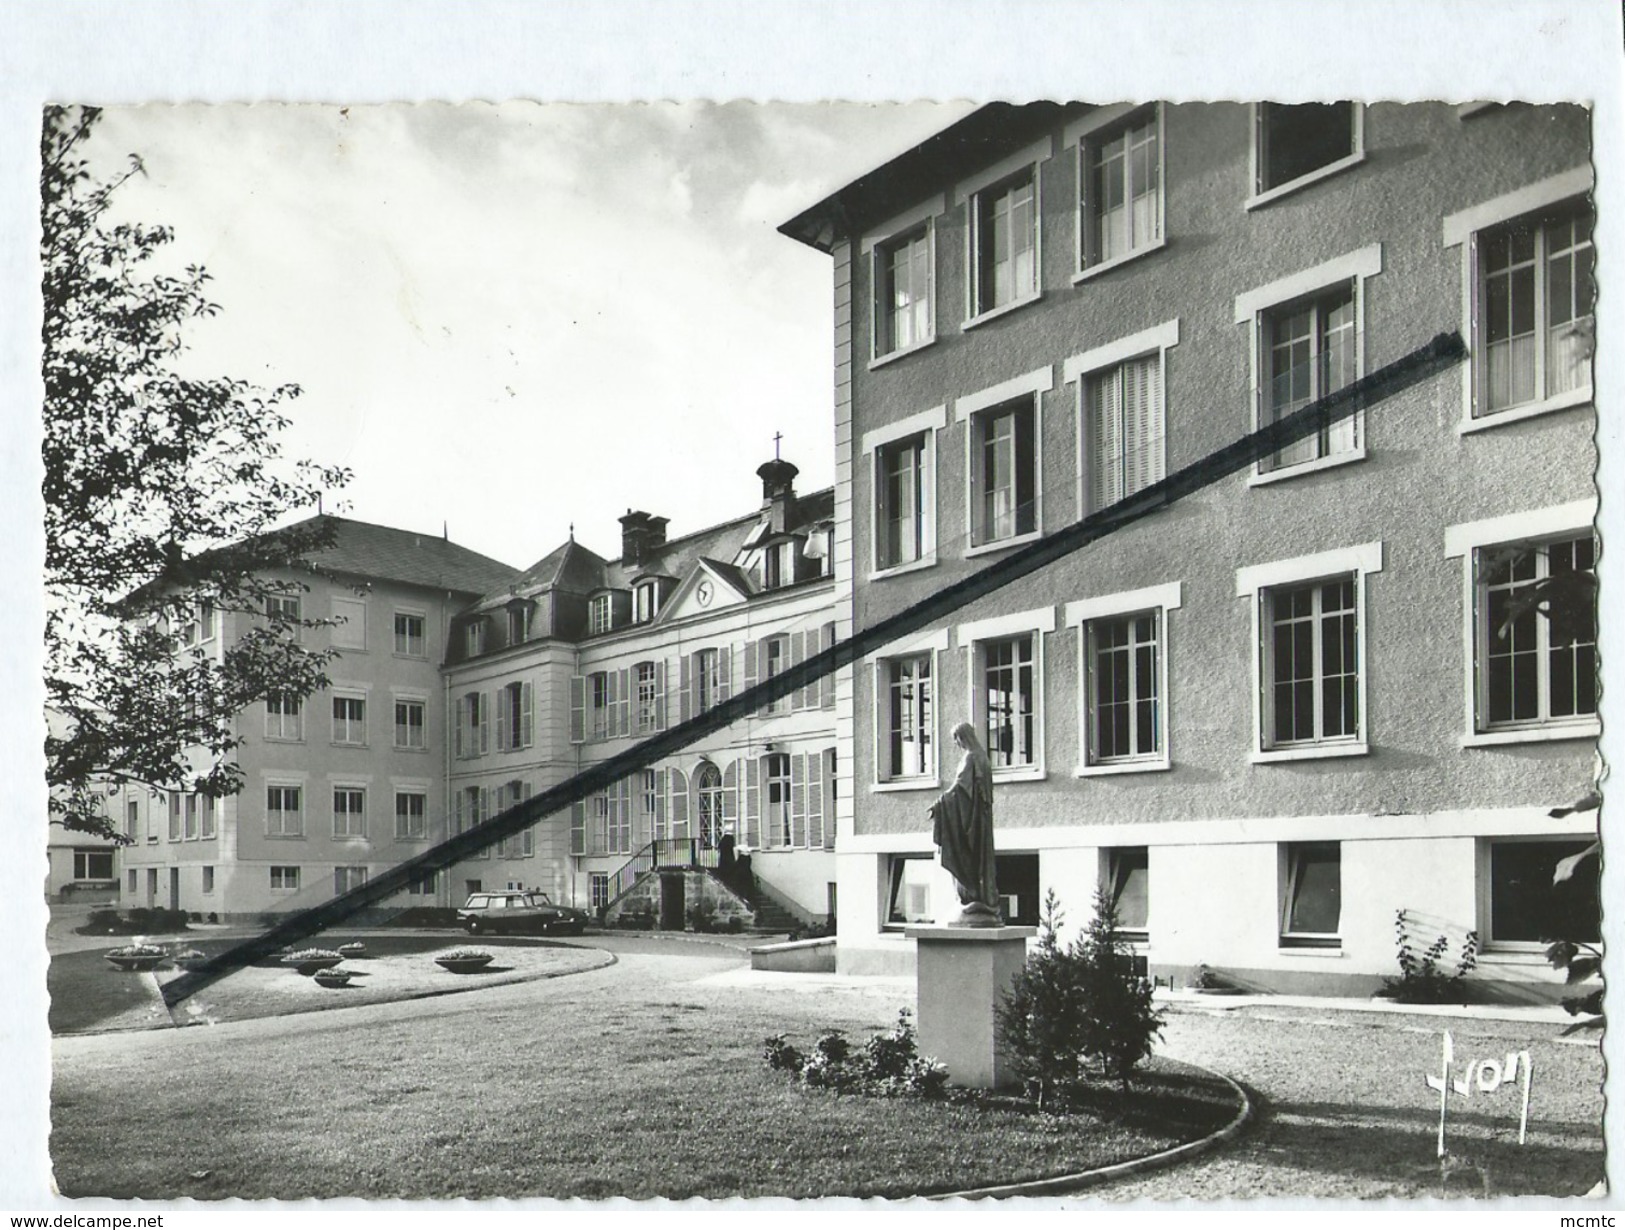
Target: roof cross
column 777, row 436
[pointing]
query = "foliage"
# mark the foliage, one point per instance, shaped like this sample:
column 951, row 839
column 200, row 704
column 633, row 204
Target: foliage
column 137, row 950
column 1076, row 1009
column 310, row 954
column 161, row 492
column 1580, row 960
column 139, row 921
column 464, row 954
column 1421, row 979
column 887, row 1065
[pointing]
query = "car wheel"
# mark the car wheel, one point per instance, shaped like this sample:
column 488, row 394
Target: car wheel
column 473, row 926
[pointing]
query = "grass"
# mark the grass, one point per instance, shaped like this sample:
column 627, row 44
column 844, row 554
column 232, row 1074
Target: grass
column 635, row 1095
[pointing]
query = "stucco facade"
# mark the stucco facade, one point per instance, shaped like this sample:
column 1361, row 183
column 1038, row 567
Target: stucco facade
column 1277, row 712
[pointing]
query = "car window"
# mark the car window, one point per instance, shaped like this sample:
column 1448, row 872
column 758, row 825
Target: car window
column 498, row 903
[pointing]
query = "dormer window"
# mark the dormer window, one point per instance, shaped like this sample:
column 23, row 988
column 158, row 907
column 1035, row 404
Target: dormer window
column 645, row 601
column 519, row 623
column 779, row 564
column 474, row 638
column 600, row 614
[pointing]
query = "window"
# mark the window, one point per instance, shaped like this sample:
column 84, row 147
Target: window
column 776, row 799
column 347, row 878
column 284, row 717
column 1004, row 243
column 1123, row 683
column 901, row 503
column 709, row 796
column 206, row 808
column 519, row 624
column 1124, row 430
column 913, row 893
column 350, row 630
column 409, row 721
column 779, row 564
column 620, row 820
column 1310, row 656
column 93, row 865
column 1297, row 144
column 175, row 817
column 903, row 313
column 350, row 720
column 598, row 704
column 1311, row 894
column 649, row 697
column 653, row 796
column 908, row 718
column 283, row 608
column 349, row 812
column 132, row 818
column 474, row 638
column 707, row 679
column 645, row 601
column 1535, row 634
column 1004, row 472
column 775, row 661
column 600, row 614
column 514, row 716
column 191, row 811
column 1016, row 878
column 1128, row 884
column 411, row 810
column 1121, row 206
column 1525, row 908
column 1308, row 350
column 208, row 881
column 409, row 635
column 598, row 889
column 1533, row 328
column 473, row 726
column 282, row 812
column 285, row 879
column 131, row 882
column 1008, row 696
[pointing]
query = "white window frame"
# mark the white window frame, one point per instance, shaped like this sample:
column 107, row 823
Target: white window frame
column 1255, row 583
column 474, row 637
column 297, row 829
column 600, row 614
column 875, row 248
column 1082, row 137
column 349, row 694
column 349, row 788
column 512, row 697
column 972, row 637
column 406, row 638
column 519, row 618
column 1462, row 230
column 1112, row 859
column 971, row 191
column 1485, row 885
column 874, row 443
column 282, row 720
column 1157, row 600
column 1251, row 309
column 422, row 744
column 645, row 601
column 600, row 706
column 403, row 831
column 289, row 877
column 1299, row 942
column 1261, row 196
column 1465, row 541
column 1082, row 368
column 967, row 411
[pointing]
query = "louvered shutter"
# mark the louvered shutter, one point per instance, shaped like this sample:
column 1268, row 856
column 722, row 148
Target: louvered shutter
column 679, row 804
column 461, row 726
column 457, row 812
column 485, row 722
column 626, row 702
column 725, row 661
column 827, row 772
column 527, row 836
column 798, row 800
column 660, row 806
column 730, row 797
column 774, row 810
column 578, row 709
column 798, row 654
column 826, row 681
column 527, row 711
column 815, row 802
column 502, row 721
column 753, row 802
column 1142, row 423
column 755, row 667
column 627, row 842
column 660, row 696
column 686, row 689
column 578, row 827
column 1105, row 440
column 598, row 821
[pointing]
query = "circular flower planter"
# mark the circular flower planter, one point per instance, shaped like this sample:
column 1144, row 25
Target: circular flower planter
column 135, row 962
column 190, row 959
column 333, row 977
column 464, row 965
column 353, row 950
column 310, row 960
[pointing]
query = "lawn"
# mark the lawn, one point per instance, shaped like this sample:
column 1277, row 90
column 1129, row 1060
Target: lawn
column 634, row 1095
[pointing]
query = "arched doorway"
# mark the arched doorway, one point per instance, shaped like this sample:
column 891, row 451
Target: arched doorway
column 708, row 794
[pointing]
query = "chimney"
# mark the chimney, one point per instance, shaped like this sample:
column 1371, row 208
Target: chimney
column 778, row 492
column 641, row 537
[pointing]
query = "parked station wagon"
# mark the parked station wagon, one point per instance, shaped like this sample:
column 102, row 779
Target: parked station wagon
column 534, row 912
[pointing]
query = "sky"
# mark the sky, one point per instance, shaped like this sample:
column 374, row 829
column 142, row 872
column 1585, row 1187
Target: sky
column 508, row 319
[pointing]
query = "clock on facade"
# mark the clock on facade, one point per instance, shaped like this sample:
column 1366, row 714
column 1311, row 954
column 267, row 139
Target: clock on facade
column 703, row 593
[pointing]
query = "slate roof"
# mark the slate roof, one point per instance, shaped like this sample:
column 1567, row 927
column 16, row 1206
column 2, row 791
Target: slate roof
column 379, row 552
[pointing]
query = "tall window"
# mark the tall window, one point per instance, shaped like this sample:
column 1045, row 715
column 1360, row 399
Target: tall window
column 132, row 819
column 648, row 695
column 901, row 502
column 776, row 799
column 598, row 703
column 775, row 660
column 474, row 638
column 779, row 564
column 409, row 719
column 600, row 612
column 1309, row 350
column 1536, row 633
column 598, row 889
column 1124, row 680
column 409, row 635
column 1004, row 242
column 707, row 679
column 909, row 719
column 653, row 800
column 1311, row 656
column 411, row 811
column 1122, row 189
column 1125, row 430
column 1311, row 894
column 349, row 720
column 903, row 295
column 1128, row 881
column 282, row 812
column 620, row 821
column 1534, row 320
column 284, row 717
column 1004, row 472
column 1293, row 142
column 519, row 623
column 514, row 716
column 349, row 812
column 1009, row 701
column 645, row 601
column 708, row 795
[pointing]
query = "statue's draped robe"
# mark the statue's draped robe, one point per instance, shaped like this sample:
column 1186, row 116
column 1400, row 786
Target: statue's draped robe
column 962, row 827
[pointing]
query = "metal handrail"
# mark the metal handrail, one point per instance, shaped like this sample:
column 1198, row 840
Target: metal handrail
column 662, row 852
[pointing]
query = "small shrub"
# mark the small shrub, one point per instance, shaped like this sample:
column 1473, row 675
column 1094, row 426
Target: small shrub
column 310, row 954
column 137, row 950
column 213, row 917
column 887, row 1065
column 464, row 954
column 1422, row 980
column 103, row 922
column 781, row 1056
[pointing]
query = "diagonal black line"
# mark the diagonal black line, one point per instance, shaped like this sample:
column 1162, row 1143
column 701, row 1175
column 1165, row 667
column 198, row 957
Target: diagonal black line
column 1442, row 353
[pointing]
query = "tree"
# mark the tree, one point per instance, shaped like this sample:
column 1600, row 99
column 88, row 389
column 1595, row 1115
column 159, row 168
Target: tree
column 162, row 492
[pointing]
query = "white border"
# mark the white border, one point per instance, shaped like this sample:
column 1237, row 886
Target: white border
column 1078, row 614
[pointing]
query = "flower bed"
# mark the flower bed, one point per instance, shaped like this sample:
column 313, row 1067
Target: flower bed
column 332, row 977
column 136, row 957
column 308, row 960
column 464, row 960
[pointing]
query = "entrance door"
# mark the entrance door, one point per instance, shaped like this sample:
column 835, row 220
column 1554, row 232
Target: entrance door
column 174, row 888
column 708, row 786
column 672, row 915
column 152, row 887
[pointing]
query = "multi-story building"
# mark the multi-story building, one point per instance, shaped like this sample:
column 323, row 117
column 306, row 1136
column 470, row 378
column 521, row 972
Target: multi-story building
column 82, row 868
column 577, row 657
column 342, row 784
column 1273, row 715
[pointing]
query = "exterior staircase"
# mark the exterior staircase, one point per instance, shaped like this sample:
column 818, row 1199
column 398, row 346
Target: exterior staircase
column 773, row 917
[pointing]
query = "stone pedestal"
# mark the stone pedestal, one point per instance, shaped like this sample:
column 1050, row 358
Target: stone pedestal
column 962, row 972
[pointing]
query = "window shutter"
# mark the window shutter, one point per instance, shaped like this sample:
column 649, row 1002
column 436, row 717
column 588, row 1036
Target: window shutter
column 1105, row 440
column 660, row 696
column 578, row 827
column 798, row 654
column 777, row 822
column 826, row 682
column 725, row 662
column 598, row 841
column 625, row 718
column 798, row 799
column 815, row 801
column 1142, row 423
column 485, row 722
column 527, row 836
column 753, row 802
column 502, row 722
column 679, row 803
column 827, row 772
column 755, row 667
column 660, row 806
column 457, row 812
column 485, row 804
column 578, row 709
column 686, row 690
column 527, row 710
column 730, row 796
column 462, row 725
